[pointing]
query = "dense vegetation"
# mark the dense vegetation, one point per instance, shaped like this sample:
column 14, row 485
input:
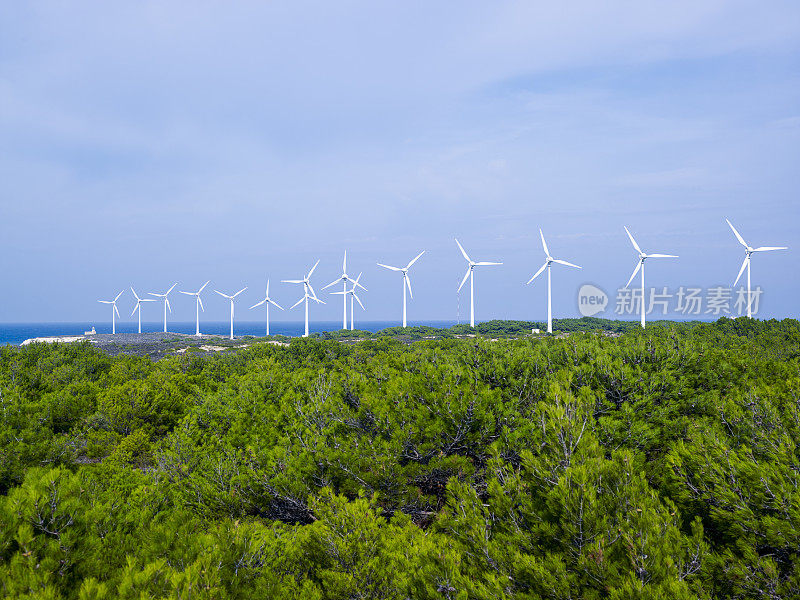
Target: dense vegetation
column 493, row 329
column 659, row 464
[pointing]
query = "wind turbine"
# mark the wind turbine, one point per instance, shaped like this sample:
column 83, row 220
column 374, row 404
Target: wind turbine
column 344, row 279
column 306, row 288
column 640, row 265
column 549, row 260
column 114, row 311
column 231, row 298
column 406, row 280
column 307, row 297
column 138, row 306
column 166, row 303
column 748, row 251
column 198, row 305
column 471, row 264
column 353, row 296
column 267, row 301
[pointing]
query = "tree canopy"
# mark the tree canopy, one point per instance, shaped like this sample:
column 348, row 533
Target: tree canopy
column 662, row 463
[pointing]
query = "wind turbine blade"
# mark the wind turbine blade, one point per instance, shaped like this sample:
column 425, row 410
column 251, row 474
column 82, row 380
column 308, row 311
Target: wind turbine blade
column 388, row 267
column 204, row 286
column 267, row 294
column 416, row 258
column 568, row 264
column 463, row 281
column 356, row 284
column 744, row 266
column 156, row 295
column 200, row 302
column 258, row 304
column 635, row 271
column 408, row 283
column 464, row 252
column 170, row 289
column 486, row 264
column 147, row 300
column 539, row 272
column 168, row 304
column 299, row 301
column 633, row 241
column 344, row 263
column 737, row 234
column 768, row 248
column 312, row 270
column 135, row 308
column 275, row 303
column 661, row 256
column 189, row 293
column 221, row 294
column 106, row 301
column 116, row 310
column 359, row 301
column 134, row 293
column 118, row 295
column 334, row 282
column 339, row 293
column 313, row 293
column 239, row 292
column 292, row 281
column 318, row 301
column 544, row 244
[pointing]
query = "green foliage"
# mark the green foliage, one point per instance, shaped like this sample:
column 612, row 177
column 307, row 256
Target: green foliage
column 646, row 464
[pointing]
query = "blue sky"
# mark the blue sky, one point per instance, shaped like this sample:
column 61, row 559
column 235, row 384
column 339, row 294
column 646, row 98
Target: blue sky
column 144, row 143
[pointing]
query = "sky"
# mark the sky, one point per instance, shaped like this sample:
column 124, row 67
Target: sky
column 147, row 143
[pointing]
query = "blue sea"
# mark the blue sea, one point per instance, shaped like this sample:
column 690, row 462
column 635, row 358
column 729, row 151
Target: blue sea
column 16, row 333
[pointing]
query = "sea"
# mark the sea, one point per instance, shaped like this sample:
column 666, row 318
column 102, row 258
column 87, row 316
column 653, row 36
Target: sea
column 16, row 333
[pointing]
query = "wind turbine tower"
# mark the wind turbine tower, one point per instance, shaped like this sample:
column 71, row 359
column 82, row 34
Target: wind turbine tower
column 471, row 264
column 353, row 298
column 198, row 305
column 138, row 307
column 548, row 261
column 114, row 311
column 406, row 280
column 165, row 296
column 640, row 266
column 231, row 298
column 267, row 301
column 306, row 289
column 344, row 278
column 748, row 251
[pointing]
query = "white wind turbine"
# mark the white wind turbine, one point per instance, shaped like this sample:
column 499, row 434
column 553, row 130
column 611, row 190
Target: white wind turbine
column 306, row 289
column 114, row 311
column 138, row 306
column 406, row 280
column 353, row 296
column 471, row 264
column 748, row 251
column 640, row 266
column 166, row 303
column 267, row 301
column 198, row 305
column 549, row 260
column 344, row 278
column 231, row 298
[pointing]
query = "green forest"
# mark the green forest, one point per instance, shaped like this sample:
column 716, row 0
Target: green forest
column 657, row 463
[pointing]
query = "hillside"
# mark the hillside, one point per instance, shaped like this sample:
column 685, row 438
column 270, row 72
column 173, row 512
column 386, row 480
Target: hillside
column 652, row 464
